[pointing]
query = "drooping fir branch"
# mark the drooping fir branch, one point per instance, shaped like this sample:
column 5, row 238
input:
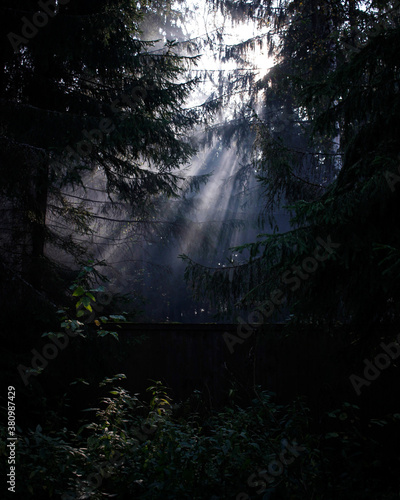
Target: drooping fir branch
column 327, row 91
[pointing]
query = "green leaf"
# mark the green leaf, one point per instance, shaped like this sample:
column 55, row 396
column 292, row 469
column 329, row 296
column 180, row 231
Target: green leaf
column 85, row 301
column 103, row 333
column 331, row 435
column 117, row 317
column 47, row 334
column 78, row 292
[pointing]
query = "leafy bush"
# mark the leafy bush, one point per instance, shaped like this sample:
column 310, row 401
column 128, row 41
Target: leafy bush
column 132, row 449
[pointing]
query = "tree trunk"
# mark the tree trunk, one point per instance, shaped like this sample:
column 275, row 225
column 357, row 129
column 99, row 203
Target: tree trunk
column 37, row 222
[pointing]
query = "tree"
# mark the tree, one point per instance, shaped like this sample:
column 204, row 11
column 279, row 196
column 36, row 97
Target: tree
column 138, row 247
column 336, row 85
column 82, row 93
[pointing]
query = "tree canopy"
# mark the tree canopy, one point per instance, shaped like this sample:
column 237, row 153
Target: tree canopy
column 328, row 146
column 84, row 93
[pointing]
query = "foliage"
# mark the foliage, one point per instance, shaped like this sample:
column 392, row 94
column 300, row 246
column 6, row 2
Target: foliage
column 156, row 450
column 85, row 99
column 328, row 146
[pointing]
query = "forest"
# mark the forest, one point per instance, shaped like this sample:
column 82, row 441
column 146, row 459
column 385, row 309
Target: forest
column 198, row 249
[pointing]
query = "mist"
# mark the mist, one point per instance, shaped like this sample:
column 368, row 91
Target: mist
column 219, row 204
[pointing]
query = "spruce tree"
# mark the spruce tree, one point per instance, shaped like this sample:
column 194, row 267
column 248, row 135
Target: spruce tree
column 328, row 145
column 83, row 93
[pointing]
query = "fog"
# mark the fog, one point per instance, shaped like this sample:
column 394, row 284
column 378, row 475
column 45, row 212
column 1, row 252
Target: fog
column 220, row 199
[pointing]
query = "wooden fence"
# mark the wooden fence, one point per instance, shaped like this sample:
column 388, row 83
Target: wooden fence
column 189, row 357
